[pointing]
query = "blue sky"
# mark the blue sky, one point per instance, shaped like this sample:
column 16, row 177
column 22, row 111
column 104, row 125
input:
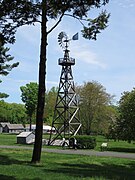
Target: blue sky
column 110, row 60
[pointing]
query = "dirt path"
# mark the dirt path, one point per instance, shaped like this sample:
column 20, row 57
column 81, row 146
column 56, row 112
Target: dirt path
column 80, row 152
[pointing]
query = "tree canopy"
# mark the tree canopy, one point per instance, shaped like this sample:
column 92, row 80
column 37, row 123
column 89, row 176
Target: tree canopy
column 126, row 120
column 15, row 14
column 18, row 13
column 94, row 106
column 13, row 113
column 29, row 97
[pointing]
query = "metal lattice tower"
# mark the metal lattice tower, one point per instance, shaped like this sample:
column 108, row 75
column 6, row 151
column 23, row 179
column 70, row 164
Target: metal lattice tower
column 66, row 114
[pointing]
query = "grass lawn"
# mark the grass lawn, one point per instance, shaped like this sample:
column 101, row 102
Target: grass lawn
column 118, row 146
column 15, row 165
column 7, row 139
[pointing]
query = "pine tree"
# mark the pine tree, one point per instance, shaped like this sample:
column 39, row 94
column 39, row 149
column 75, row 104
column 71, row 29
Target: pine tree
column 5, row 66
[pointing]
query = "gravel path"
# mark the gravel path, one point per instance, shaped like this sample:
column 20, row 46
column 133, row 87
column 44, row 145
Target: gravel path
column 80, row 152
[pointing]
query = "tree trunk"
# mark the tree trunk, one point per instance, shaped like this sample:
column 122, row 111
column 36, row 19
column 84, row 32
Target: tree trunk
column 30, row 121
column 41, row 92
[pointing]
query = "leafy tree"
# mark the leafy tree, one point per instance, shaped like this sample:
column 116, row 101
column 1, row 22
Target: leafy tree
column 27, row 12
column 3, row 113
column 29, row 97
column 112, row 129
column 105, row 119
column 94, row 106
column 12, row 112
column 17, row 113
column 51, row 96
column 126, row 120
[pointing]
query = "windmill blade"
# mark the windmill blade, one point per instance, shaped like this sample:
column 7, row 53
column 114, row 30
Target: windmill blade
column 62, row 35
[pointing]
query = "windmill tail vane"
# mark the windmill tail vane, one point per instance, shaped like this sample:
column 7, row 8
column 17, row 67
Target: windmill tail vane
column 76, row 36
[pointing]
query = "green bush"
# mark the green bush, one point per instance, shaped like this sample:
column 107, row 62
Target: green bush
column 84, row 142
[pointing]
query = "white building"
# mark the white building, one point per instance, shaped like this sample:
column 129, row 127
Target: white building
column 13, row 128
column 26, row 138
column 46, row 128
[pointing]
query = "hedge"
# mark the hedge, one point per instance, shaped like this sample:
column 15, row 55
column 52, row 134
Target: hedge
column 84, row 142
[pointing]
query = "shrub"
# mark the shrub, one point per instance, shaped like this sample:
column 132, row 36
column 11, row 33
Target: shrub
column 84, row 142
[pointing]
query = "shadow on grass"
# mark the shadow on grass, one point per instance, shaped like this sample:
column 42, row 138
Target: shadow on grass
column 118, row 149
column 6, row 160
column 32, row 179
column 4, row 177
column 104, row 171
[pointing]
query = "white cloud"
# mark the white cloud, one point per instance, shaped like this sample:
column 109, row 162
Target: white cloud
column 125, row 3
column 83, row 53
column 30, row 34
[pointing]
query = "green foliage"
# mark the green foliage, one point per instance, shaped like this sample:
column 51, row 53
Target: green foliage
column 3, row 95
column 5, row 67
column 29, row 97
column 84, row 142
column 12, row 112
column 27, row 12
column 95, row 107
column 5, row 58
column 51, row 96
column 95, row 26
column 15, row 14
column 125, row 125
column 112, row 132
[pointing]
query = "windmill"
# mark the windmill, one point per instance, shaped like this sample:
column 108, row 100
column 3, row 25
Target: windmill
column 66, row 120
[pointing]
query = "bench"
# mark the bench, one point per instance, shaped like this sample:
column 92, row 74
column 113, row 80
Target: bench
column 104, row 146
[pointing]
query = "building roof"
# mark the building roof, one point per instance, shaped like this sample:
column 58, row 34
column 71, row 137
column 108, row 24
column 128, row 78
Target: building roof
column 3, row 124
column 15, row 126
column 24, row 134
column 45, row 127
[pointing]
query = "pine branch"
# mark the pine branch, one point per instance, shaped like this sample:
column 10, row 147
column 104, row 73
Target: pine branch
column 56, row 24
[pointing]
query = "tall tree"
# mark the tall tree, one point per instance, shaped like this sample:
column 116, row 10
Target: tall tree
column 5, row 66
column 94, row 102
column 126, row 121
column 26, row 12
column 29, row 97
